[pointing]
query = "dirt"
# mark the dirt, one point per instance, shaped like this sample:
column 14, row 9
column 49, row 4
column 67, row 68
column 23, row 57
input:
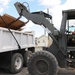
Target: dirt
column 25, row 72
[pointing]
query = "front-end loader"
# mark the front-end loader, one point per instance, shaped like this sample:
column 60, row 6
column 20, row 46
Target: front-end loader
column 62, row 51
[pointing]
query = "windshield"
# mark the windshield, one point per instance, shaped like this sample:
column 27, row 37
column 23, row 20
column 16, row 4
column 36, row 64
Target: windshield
column 70, row 25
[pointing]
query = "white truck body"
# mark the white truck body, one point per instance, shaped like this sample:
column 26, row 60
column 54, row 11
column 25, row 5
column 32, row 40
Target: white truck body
column 8, row 43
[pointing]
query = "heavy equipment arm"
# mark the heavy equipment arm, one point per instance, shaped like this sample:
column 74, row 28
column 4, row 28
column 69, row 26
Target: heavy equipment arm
column 39, row 18
column 42, row 18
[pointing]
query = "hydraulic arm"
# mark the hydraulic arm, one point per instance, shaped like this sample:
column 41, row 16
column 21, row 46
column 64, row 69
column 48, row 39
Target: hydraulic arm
column 39, row 18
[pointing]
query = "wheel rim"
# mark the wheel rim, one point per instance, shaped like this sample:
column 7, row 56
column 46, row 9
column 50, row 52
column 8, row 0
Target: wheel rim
column 18, row 63
column 42, row 66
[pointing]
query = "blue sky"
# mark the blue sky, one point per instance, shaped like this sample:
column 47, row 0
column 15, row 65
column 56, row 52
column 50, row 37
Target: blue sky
column 55, row 9
column 10, row 8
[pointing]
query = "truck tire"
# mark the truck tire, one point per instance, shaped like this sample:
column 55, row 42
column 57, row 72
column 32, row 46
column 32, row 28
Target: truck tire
column 27, row 56
column 42, row 63
column 16, row 63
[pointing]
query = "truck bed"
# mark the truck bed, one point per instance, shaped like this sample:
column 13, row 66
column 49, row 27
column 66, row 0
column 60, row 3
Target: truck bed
column 8, row 43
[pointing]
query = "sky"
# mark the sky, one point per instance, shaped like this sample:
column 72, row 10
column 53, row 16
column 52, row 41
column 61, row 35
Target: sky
column 55, row 9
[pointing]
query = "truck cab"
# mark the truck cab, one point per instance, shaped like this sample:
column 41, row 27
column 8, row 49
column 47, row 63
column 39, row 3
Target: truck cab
column 70, row 37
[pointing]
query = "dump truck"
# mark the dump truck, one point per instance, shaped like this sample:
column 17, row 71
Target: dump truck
column 62, row 51
column 15, row 45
